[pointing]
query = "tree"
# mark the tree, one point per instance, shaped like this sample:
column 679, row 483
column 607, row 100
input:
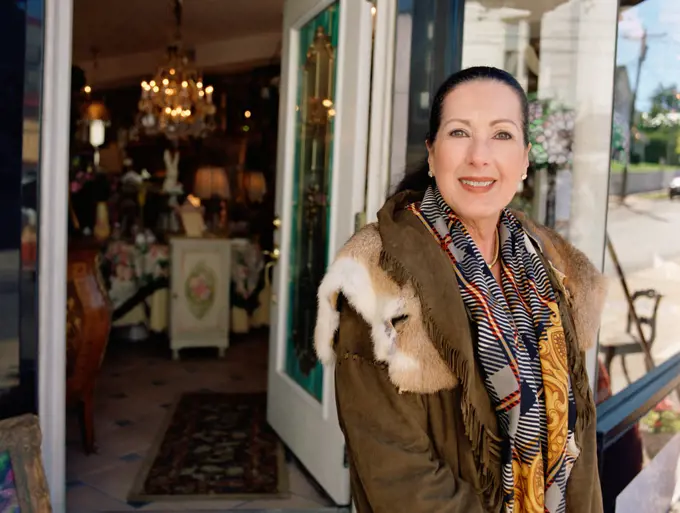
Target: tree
column 664, row 99
column 661, row 124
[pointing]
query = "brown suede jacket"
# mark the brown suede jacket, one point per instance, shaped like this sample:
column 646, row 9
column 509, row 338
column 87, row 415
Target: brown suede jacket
column 421, row 432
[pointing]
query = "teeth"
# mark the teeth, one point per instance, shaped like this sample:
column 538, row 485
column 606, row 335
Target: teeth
column 477, row 184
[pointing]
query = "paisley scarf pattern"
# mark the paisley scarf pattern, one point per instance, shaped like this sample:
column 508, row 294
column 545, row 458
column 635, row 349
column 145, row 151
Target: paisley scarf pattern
column 522, row 352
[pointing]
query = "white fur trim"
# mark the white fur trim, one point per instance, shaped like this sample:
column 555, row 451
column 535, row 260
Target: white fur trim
column 351, row 278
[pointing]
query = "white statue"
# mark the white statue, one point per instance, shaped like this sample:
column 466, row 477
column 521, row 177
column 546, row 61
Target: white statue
column 171, row 186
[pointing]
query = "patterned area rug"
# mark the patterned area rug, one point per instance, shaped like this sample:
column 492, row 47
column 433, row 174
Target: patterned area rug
column 214, row 446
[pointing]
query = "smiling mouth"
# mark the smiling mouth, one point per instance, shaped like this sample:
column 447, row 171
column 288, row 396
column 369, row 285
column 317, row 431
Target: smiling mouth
column 477, row 183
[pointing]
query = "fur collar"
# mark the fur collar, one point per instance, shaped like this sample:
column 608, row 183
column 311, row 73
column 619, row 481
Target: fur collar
column 395, row 312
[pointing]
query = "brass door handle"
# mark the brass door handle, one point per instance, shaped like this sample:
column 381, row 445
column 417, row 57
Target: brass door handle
column 274, row 254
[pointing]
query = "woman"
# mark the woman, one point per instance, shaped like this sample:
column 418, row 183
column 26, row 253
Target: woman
column 459, row 328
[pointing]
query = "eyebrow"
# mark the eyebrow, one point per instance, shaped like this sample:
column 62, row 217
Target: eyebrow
column 494, row 122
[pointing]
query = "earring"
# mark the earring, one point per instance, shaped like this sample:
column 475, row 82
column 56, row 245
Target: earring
column 430, row 173
column 524, row 176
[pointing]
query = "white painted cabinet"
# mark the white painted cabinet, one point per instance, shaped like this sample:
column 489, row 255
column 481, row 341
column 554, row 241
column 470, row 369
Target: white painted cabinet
column 199, row 282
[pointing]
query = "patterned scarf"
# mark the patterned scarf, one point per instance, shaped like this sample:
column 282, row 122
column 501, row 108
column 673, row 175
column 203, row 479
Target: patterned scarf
column 521, row 349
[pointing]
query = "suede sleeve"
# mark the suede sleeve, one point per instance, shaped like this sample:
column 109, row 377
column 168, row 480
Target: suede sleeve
column 393, row 464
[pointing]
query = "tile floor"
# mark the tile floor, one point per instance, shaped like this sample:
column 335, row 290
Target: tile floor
column 137, row 385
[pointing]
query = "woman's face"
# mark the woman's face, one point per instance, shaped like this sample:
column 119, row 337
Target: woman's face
column 479, row 156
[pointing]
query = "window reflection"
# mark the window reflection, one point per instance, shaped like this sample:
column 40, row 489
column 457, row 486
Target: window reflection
column 643, row 213
column 21, row 32
column 427, row 50
column 547, row 46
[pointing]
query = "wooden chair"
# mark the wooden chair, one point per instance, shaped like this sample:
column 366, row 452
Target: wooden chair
column 88, row 323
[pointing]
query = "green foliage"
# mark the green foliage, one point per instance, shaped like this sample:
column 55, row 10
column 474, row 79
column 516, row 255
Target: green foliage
column 664, row 99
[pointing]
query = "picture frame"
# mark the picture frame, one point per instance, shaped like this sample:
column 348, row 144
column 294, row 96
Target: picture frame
column 23, row 485
column 191, row 216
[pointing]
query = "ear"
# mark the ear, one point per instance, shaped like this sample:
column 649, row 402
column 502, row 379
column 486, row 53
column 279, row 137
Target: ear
column 430, row 153
column 526, row 157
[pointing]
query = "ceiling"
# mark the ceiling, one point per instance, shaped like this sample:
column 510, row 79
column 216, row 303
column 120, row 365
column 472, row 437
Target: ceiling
column 134, row 26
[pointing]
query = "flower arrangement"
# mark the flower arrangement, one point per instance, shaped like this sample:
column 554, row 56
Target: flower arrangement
column 664, row 418
column 551, row 133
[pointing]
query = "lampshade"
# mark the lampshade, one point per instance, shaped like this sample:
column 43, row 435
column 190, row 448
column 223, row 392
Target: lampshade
column 97, row 132
column 255, row 185
column 211, row 181
column 95, row 111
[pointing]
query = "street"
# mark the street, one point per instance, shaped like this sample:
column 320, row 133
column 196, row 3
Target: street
column 644, row 232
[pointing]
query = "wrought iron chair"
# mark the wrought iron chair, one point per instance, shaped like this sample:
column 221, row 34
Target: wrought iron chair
column 635, row 346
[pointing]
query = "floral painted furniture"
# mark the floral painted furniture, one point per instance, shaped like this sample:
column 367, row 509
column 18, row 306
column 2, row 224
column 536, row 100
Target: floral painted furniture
column 200, row 283
column 136, row 268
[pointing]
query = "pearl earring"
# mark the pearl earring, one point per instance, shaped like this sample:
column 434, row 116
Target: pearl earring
column 430, row 173
column 524, row 176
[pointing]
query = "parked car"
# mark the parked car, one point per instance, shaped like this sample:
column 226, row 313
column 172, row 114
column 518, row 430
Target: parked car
column 674, row 188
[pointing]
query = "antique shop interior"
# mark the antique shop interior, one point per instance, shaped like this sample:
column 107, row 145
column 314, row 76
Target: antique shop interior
column 171, row 206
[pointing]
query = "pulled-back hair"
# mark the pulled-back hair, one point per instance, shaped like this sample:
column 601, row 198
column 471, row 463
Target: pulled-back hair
column 417, row 178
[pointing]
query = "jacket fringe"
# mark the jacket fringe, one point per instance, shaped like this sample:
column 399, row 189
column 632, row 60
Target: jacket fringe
column 486, row 447
column 583, row 395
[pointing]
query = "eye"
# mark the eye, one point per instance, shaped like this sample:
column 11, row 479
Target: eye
column 504, row 136
column 457, row 132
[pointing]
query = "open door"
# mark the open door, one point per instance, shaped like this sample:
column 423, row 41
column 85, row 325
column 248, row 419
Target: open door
column 321, row 181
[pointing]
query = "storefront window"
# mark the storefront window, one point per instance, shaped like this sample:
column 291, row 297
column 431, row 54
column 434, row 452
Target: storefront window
column 21, row 72
column 639, row 331
column 548, row 47
column 428, row 37
column 644, row 204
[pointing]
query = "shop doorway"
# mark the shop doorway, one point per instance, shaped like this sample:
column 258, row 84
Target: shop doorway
column 328, row 134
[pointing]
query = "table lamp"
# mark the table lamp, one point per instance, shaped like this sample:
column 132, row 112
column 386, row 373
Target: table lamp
column 256, row 186
column 211, row 184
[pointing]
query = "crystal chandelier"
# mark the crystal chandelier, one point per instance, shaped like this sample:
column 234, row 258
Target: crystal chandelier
column 175, row 102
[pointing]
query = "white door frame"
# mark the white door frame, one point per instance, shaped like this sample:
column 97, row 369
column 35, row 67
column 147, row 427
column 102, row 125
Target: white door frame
column 324, row 453
column 382, row 92
column 53, row 243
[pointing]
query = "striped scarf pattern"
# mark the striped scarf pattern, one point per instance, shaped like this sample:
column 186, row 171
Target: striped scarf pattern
column 522, row 352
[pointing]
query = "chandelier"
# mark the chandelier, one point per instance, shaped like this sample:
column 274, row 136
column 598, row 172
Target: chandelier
column 176, row 102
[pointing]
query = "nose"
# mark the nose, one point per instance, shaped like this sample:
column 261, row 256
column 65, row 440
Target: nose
column 479, row 152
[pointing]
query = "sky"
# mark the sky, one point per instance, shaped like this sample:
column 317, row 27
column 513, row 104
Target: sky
column 661, row 20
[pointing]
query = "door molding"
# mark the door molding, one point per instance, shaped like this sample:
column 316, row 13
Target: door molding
column 382, row 93
column 53, row 243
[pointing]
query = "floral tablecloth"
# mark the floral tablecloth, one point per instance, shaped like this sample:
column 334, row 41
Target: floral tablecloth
column 133, row 266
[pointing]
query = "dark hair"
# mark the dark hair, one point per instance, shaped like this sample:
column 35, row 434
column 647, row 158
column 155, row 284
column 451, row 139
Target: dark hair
column 417, row 179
